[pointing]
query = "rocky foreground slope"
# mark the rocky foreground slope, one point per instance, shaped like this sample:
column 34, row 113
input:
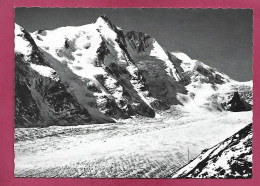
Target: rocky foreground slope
column 97, row 74
column 231, row 158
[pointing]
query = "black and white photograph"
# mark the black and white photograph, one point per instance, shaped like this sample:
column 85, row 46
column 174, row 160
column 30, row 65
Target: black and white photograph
column 133, row 93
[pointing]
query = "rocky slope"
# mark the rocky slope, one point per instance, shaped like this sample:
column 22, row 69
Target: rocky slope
column 110, row 75
column 231, row 158
column 41, row 99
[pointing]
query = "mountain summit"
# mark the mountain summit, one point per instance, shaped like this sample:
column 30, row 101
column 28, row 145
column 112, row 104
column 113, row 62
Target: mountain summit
column 97, row 74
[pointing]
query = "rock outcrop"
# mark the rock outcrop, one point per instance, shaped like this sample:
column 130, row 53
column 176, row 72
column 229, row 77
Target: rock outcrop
column 237, row 104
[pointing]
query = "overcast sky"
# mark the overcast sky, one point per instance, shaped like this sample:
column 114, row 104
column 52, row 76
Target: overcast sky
column 221, row 38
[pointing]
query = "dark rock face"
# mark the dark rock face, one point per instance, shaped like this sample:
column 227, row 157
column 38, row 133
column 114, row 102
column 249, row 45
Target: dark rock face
column 237, row 104
column 102, row 51
column 42, row 101
column 138, row 40
column 215, row 78
column 27, row 112
column 160, row 105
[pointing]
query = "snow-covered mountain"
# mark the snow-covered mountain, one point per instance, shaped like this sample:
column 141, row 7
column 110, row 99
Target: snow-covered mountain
column 41, row 98
column 106, row 75
column 231, row 158
column 210, row 89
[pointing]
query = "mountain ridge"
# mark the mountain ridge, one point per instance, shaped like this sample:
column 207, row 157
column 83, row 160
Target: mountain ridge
column 113, row 75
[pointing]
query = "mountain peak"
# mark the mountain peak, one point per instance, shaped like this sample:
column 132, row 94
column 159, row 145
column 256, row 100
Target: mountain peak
column 104, row 19
column 103, row 16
